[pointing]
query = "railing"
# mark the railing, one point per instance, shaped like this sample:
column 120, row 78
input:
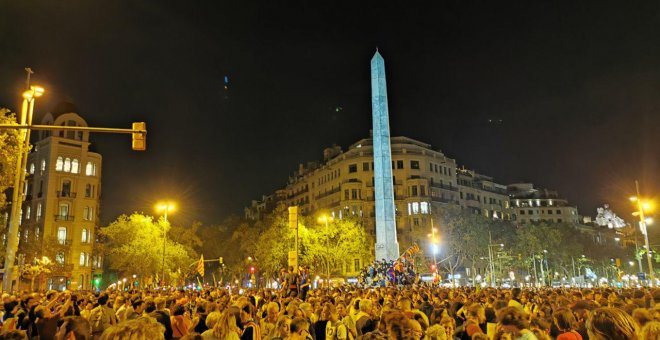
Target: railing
column 443, row 200
column 66, row 194
column 64, row 218
column 65, row 242
column 444, row 186
column 328, row 193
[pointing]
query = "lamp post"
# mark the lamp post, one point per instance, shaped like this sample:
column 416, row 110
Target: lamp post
column 165, row 208
column 490, row 258
column 27, row 109
column 327, row 219
column 434, row 246
column 642, row 207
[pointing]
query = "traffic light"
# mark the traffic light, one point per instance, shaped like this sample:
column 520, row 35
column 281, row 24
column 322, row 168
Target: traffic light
column 139, row 136
column 433, row 267
column 251, row 270
column 97, row 281
column 220, row 260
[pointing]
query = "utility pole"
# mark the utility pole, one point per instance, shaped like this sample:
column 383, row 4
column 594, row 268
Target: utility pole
column 642, row 226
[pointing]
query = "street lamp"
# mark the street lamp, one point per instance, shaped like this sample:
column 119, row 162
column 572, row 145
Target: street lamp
column 327, row 219
column 644, row 206
column 165, row 208
column 18, row 195
column 434, row 246
column 491, row 260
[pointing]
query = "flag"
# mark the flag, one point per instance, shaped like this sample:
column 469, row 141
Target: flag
column 200, row 266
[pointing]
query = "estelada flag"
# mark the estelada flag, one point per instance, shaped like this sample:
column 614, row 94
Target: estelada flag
column 200, row 266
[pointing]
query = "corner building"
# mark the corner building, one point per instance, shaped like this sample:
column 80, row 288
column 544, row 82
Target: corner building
column 424, row 179
column 61, row 211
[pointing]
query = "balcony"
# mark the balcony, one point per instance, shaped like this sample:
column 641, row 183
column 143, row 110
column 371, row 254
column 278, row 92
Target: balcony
column 65, row 242
column 66, row 194
column 64, row 218
column 444, row 186
column 443, row 200
column 328, row 193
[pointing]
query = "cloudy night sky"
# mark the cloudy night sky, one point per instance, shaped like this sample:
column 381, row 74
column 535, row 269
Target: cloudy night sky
column 576, row 86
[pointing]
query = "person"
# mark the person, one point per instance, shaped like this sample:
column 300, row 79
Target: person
column 475, row 316
column 364, row 322
column 250, row 328
column 47, row 322
column 566, row 324
column 102, row 317
column 651, row 331
column 334, row 329
column 180, row 322
column 142, row 328
column 512, row 320
column 300, row 329
column 156, row 310
column 607, row 323
column 281, row 330
column 224, row 328
column 269, row 323
column 74, row 328
column 14, row 335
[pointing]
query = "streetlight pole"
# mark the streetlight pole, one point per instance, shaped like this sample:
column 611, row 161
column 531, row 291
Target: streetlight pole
column 165, row 208
column 641, row 206
column 18, row 194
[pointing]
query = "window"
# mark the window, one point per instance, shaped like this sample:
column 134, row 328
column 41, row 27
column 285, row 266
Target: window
column 59, row 258
column 84, row 259
column 346, row 194
column 64, row 210
column 352, row 168
column 414, row 165
column 88, row 190
column 90, row 169
column 549, row 212
column 43, row 166
column 416, row 222
column 424, row 207
column 559, row 213
column 28, row 211
column 399, row 164
column 413, row 190
column 67, row 164
column 59, row 165
column 38, row 211
column 61, row 235
column 422, row 190
column 354, row 194
column 365, row 166
column 356, row 265
column 32, row 168
column 36, row 232
column 86, row 213
column 522, row 212
column 415, row 208
column 530, row 212
column 66, row 188
column 74, row 166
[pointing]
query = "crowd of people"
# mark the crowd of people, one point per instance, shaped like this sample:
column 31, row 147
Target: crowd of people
column 347, row 312
column 384, row 273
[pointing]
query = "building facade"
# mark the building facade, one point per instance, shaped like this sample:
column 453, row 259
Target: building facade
column 61, row 211
column 534, row 205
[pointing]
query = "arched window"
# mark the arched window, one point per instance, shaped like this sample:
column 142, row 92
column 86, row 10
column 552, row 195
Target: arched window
column 85, row 237
column 59, row 164
column 74, row 166
column 67, row 164
column 83, row 258
column 64, row 210
column 61, row 235
column 89, row 169
column 32, row 168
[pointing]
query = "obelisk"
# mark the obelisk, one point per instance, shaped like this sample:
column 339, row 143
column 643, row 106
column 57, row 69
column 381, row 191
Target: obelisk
column 387, row 246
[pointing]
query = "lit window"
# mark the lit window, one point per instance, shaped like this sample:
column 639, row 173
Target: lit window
column 64, row 210
column 32, row 168
column 67, row 164
column 38, row 211
column 83, row 258
column 409, row 209
column 86, row 213
column 28, row 211
column 550, row 202
column 74, row 166
column 61, row 235
column 59, row 165
column 424, row 207
column 415, row 208
column 36, row 233
column 90, row 169
column 59, row 258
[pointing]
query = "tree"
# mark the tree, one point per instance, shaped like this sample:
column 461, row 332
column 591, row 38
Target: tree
column 8, row 156
column 135, row 246
column 330, row 247
column 34, row 270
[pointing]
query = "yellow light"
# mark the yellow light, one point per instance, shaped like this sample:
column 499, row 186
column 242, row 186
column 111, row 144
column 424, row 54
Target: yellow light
column 325, row 219
column 165, row 206
column 647, row 206
column 38, row 90
column 633, row 198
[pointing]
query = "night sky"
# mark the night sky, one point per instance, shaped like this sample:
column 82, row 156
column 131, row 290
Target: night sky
column 575, row 85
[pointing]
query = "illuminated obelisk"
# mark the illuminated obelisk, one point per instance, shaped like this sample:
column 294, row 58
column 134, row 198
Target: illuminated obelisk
column 387, row 246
